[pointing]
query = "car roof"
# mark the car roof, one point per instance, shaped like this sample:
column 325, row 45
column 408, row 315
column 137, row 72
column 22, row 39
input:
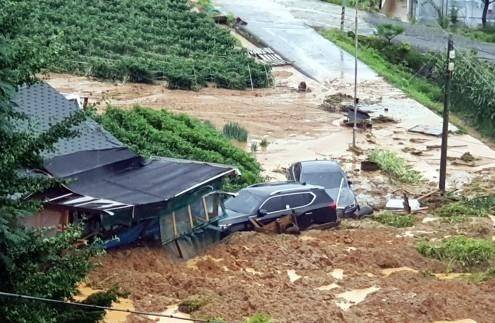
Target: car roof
column 320, row 165
column 267, row 189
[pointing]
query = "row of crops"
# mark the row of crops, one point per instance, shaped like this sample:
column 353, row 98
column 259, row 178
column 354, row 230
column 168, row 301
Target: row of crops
column 161, row 133
column 139, row 41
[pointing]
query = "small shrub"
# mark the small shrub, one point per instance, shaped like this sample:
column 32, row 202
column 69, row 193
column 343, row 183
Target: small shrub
column 233, row 130
column 395, row 220
column 395, row 166
column 259, row 318
column 389, row 31
column 192, row 304
column 466, row 252
column 264, row 143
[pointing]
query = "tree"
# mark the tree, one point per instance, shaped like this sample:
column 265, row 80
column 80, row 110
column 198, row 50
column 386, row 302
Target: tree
column 29, row 262
column 486, row 4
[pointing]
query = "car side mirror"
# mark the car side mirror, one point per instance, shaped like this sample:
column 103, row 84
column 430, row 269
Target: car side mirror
column 262, row 212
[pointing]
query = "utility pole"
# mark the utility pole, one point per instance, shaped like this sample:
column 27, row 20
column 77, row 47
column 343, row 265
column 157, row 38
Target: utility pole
column 354, row 128
column 445, row 130
column 342, row 16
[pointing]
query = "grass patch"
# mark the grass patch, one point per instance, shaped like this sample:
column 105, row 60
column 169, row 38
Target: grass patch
column 458, row 211
column 395, row 166
column 460, row 250
column 486, row 34
column 259, row 318
column 399, row 69
column 233, row 130
column 395, row 220
column 418, row 88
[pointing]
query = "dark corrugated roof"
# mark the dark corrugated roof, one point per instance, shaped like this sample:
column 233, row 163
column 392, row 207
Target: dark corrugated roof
column 157, row 181
column 44, row 106
column 99, row 166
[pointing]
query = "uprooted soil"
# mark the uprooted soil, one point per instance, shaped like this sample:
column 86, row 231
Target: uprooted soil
column 299, row 278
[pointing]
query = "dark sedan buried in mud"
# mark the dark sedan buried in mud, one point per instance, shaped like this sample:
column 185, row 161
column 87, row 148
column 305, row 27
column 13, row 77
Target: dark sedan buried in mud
column 330, row 175
column 266, row 203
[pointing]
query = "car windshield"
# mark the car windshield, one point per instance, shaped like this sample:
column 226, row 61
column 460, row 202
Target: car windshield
column 246, row 202
column 327, row 180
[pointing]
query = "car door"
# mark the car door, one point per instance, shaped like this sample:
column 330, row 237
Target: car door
column 299, row 202
column 274, row 206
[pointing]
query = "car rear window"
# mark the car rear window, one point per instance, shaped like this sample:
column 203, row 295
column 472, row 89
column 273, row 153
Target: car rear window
column 327, row 180
column 298, row 200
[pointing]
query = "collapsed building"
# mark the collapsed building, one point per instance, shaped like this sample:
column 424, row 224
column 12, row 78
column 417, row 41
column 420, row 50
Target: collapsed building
column 114, row 193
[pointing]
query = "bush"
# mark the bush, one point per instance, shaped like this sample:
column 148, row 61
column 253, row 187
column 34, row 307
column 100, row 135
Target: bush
column 460, row 250
column 160, row 133
column 192, row 304
column 394, row 166
column 395, row 220
column 389, row 31
column 233, row 130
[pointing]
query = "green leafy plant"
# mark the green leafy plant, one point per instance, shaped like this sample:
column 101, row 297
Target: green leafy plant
column 476, row 207
column 160, row 133
column 143, row 41
column 388, row 31
column 460, row 250
column 192, row 304
column 259, row 318
column 233, row 130
column 395, row 220
column 395, row 166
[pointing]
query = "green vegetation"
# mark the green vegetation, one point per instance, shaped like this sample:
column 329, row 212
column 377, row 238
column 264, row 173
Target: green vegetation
column 161, row 133
column 259, row 318
column 30, row 263
column 460, row 250
column 233, row 130
column 389, row 31
column 192, row 304
column 486, row 34
column 421, row 76
column 476, row 207
column 394, row 166
column 368, row 5
column 264, row 143
column 395, row 220
column 138, row 41
column 418, row 88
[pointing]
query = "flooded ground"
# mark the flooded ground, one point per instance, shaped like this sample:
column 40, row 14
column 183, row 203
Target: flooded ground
column 362, row 272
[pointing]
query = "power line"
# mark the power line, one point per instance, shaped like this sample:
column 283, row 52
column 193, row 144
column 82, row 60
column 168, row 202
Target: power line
column 56, row 301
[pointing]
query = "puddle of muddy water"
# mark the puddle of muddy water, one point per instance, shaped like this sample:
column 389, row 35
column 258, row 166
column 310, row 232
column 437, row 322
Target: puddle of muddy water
column 110, row 316
column 353, row 297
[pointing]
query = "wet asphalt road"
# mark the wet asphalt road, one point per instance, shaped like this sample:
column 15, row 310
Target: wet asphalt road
column 275, row 25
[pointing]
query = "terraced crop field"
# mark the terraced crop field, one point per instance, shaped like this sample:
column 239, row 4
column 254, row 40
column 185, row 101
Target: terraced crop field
column 138, row 41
